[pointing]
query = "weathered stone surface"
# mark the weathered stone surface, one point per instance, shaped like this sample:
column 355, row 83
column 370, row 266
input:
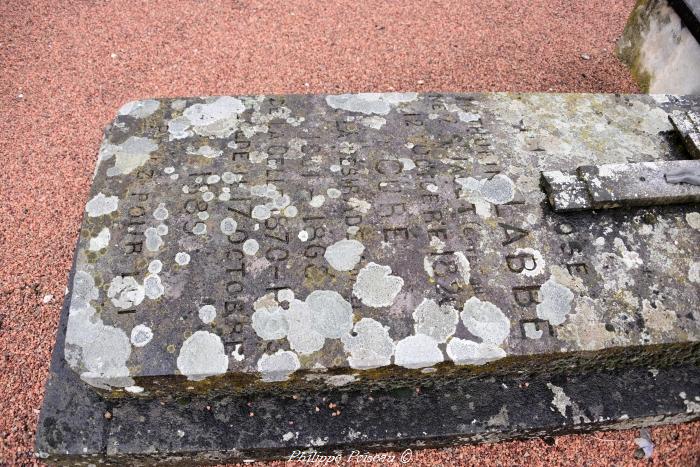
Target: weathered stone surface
column 251, row 243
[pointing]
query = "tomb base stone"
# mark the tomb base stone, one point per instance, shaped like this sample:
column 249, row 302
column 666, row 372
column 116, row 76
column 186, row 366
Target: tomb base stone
column 280, row 250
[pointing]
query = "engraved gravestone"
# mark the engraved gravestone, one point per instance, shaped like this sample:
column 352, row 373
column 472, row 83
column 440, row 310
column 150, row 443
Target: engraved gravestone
column 251, row 243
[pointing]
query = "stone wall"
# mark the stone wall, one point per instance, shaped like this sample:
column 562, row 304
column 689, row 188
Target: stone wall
column 660, row 50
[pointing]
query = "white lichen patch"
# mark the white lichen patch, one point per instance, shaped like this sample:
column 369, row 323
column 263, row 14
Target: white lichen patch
column 100, row 241
column 344, row 255
column 318, row 441
column 691, row 406
column 139, row 109
column 257, row 157
column 407, row 164
column 561, row 401
column 155, row 266
column 290, row 211
column 125, row 292
column 374, row 122
column 485, row 320
column 129, row 155
column 482, row 193
column 200, row 228
column 141, row 335
column 555, row 302
column 161, row 212
column 369, row 345
column 153, row 239
column 98, row 352
column 230, row 178
column 178, row 104
column 467, row 117
column 317, row 201
column 207, row 313
column 295, row 148
column 694, row 272
column 498, row 189
column 333, row 193
column 302, row 335
column 251, row 247
column 531, row 331
column 531, row 261
column 337, row 381
column 306, row 324
column 629, row 258
column 153, row 286
column 261, row 212
column 237, row 353
column 466, row 352
column 693, row 220
column 228, row 226
column 278, row 203
column 84, row 290
column 658, row 319
column 376, row 287
column 463, row 266
column 437, row 244
column 428, row 266
column 438, row 322
column 278, row 366
column 347, row 147
column 218, row 117
column 202, row 355
column 331, row 312
column 417, row 351
column 182, row 258
column 285, row 295
column 370, row 103
column 268, row 321
column 205, row 151
column 584, row 329
column 359, row 205
column 101, row 205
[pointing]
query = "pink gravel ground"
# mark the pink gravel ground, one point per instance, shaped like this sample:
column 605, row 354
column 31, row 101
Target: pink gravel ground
column 67, row 67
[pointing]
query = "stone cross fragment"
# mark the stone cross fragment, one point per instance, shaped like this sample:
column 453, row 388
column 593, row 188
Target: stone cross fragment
column 631, row 184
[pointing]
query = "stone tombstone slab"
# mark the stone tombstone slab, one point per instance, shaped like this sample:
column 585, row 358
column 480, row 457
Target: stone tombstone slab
column 242, row 244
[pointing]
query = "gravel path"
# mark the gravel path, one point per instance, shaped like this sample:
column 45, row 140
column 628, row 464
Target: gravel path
column 67, row 66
